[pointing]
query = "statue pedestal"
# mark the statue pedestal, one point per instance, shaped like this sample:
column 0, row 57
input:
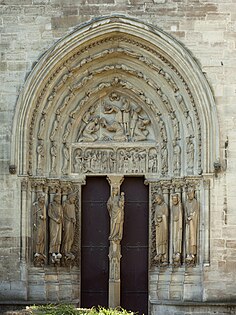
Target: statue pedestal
column 114, row 293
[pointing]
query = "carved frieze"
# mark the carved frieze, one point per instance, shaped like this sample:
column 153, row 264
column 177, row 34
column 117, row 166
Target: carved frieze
column 129, row 160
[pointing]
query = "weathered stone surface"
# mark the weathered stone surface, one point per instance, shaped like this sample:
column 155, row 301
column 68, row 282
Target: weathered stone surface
column 207, row 29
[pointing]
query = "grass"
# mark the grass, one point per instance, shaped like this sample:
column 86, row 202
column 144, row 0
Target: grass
column 66, row 309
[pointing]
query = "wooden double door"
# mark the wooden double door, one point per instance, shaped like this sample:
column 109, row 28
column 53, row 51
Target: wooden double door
column 95, row 244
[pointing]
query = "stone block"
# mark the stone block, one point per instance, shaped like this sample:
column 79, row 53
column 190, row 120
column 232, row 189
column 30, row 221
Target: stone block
column 64, row 22
column 34, row 10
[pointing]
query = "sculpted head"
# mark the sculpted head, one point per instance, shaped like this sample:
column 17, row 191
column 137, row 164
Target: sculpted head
column 159, row 199
column 175, row 199
column 190, row 194
column 41, row 198
column 72, row 197
column 57, row 198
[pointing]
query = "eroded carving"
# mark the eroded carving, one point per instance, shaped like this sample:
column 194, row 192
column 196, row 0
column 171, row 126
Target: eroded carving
column 161, row 225
column 69, row 222
column 66, row 159
column 115, row 206
column 55, row 213
column 177, row 229
column 39, row 218
column 132, row 160
column 192, row 215
column 40, row 157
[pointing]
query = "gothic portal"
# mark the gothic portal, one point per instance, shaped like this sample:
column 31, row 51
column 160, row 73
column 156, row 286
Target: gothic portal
column 116, row 98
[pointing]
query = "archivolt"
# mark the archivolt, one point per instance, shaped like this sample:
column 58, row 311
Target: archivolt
column 123, row 55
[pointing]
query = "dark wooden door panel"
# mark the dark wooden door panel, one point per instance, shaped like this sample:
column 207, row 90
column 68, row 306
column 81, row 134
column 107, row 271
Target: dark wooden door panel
column 95, row 244
column 134, row 246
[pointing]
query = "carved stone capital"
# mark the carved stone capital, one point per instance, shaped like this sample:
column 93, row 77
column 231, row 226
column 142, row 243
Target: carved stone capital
column 24, row 184
column 115, row 181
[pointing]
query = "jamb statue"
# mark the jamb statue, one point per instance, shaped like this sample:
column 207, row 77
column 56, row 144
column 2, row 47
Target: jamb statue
column 161, row 225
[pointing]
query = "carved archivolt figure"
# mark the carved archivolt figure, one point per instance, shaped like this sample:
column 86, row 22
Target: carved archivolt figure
column 176, row 159
column 190, row 155
column 55, row 214
column 40, row 156
column 55, row 127
column 161, row 224
column 115, row 206
column 189, row 124
column 192, row 215
column 53, row 152
column 39, row 213
column 164, row 159
column 42, row 127
column 89, row 132
column 69, row 219
column 67, row 130
column 177, row 228
column 66, row 159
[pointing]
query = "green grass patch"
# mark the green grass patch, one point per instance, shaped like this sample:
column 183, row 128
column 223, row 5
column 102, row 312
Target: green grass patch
column 66, row 309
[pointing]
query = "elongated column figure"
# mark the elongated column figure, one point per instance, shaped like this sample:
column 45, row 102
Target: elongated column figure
column 192, row 217
column 177, row 229
column 161, row 225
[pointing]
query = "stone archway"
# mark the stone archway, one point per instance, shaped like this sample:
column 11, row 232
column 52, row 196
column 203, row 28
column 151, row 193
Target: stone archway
column 116, row 90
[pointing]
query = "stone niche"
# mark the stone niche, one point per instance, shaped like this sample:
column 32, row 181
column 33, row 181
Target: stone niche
column 116, row 97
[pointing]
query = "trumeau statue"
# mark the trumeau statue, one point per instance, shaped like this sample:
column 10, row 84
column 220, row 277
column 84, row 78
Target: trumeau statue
column 192, row 216
column 69, row 221
column 177, row 229
column 115, row 206
column 161, row 225
column 55, row 213
column 39, row 214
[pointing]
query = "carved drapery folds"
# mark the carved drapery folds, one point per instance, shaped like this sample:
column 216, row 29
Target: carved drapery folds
column 55, row 221
column 127, row 91
column 110, row 99
column 175, row 222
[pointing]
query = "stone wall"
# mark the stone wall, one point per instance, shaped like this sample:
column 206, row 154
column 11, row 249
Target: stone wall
column 206, row 28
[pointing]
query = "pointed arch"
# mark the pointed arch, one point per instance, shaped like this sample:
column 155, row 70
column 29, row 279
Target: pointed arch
column 135, row 60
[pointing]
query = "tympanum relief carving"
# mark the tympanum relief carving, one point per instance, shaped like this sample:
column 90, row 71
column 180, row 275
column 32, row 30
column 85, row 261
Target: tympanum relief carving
column 115, row 119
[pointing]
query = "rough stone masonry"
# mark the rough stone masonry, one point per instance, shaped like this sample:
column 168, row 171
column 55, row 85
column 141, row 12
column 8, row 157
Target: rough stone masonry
column 206, row 31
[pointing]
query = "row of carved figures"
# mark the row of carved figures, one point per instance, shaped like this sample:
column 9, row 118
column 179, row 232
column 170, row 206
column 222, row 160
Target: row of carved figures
column 129, row 160
column 180, row 221
column 62, row 221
